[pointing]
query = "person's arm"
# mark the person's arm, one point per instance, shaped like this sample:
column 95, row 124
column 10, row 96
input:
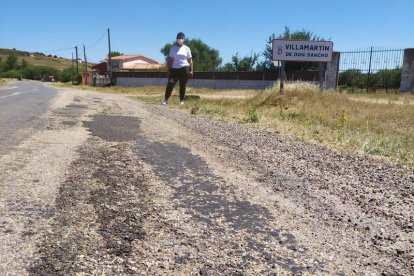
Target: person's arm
column 170, row 61
column 191, row 72
column 169, row 65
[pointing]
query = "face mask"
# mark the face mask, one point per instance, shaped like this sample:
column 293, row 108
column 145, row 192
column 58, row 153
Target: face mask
column 180, row 41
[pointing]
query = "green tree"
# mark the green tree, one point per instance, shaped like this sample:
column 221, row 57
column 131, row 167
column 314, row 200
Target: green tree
column 205, row 58
column 11, row 74
column 67, row 74
column 23, row 64
column 32, row 72
column 267, row 64
column 38, row 72
column 352, row 78
column 10, row 62
column 115, row 54
column 241, row 64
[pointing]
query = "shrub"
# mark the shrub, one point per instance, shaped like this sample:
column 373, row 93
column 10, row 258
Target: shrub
column 67, row 75
column 11, row 74
column 352, row 78
column 383, row 79
column 388, row 79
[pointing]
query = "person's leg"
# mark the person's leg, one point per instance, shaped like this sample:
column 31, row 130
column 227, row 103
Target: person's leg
column 183, row 82
column 171, row 83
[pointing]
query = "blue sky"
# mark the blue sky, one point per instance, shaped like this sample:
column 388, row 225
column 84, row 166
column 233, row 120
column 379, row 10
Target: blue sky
column 230, row 26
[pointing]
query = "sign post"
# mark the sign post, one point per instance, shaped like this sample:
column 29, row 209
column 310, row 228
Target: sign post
column 302, row 51
column 321, row 74
column 282, row 76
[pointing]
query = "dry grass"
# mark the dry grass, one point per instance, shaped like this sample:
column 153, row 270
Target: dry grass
column 377, row 124
column 42, row 61
column 3, row 82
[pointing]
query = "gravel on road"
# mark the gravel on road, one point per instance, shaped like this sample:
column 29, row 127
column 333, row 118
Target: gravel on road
column 154, row 190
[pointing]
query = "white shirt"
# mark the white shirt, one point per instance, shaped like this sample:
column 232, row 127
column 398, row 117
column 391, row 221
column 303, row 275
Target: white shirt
column 180, row 55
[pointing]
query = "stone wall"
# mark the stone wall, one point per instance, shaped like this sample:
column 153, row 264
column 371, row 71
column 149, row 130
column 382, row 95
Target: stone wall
column 407, row 73
column 215, row 84
column 331, row 73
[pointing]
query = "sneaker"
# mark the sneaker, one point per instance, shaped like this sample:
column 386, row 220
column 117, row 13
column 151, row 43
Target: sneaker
column 182, row 102
column 164, row 102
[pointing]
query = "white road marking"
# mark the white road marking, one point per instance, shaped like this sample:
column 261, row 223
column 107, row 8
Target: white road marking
column 11, row 95
column 9, row 88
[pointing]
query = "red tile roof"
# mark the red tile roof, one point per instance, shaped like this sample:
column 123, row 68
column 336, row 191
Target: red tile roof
column 134, row 57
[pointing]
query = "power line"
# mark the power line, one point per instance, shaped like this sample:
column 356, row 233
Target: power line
column 58, row 50
column 70, row 48
column 94, row 44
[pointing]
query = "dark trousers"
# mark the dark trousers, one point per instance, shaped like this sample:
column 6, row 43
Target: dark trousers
column 180, row 75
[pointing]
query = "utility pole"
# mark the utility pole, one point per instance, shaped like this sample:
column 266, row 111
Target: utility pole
column 109, row 56
column 73, row 80
column 86, row 65
column 77, row 65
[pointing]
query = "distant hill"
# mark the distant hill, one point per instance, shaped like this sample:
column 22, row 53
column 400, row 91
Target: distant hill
column 38, row 59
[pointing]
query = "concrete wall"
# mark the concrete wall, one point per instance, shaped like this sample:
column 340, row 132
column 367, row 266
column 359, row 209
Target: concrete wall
column 407, row 73
column 331, row 73
column 216, row 84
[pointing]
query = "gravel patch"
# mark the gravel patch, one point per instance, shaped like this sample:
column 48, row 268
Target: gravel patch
column 365, row 204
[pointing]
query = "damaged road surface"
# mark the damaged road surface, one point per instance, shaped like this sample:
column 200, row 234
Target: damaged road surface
column 112, row 186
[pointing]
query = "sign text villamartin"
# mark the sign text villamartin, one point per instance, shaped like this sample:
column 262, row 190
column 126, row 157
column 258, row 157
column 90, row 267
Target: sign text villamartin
column 302, row 50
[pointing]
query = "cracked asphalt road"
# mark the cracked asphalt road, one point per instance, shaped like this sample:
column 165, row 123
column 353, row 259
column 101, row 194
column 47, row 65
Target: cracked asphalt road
column 116, row 187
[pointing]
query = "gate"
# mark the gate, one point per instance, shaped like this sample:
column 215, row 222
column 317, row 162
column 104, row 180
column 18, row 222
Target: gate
column 371, row 69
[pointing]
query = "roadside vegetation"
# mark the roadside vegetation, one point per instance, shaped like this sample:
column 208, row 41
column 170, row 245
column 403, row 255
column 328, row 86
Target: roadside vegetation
column 378, row 124
column 3, row 82
column 36, row 59
column 15, row 64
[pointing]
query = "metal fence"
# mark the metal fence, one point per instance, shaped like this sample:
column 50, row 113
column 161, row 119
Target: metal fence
column 371, row 69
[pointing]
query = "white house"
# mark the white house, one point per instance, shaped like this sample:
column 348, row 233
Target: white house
column 133, row 63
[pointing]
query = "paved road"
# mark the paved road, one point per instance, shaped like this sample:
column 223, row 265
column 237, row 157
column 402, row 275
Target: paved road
column 117, row 187
column 21, row 106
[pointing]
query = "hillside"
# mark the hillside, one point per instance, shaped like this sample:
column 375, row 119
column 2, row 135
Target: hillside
column 37, row 59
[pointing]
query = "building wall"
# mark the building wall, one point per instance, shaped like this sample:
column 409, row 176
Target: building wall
column 215, row 84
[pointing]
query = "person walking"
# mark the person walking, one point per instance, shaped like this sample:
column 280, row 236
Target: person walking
column 180, row 68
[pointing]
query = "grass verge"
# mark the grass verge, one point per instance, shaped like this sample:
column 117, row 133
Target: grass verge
column 3, row 81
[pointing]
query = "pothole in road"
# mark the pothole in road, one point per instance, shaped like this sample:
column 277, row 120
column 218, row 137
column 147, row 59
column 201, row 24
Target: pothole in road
column 114, row 128
column 206, row 198
column 72, row 110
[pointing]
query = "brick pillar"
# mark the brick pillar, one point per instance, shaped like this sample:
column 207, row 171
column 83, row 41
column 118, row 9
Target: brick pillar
column 331, row 73
column 407, row 73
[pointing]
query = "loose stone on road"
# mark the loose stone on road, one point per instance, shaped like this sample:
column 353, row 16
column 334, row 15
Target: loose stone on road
column 117, row 187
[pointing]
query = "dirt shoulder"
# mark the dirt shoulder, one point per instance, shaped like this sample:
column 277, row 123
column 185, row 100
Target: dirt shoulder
column 352, row 207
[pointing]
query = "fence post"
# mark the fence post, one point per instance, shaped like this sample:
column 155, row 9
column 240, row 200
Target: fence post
column 321, row 75
column 332, row 71
column 407, row 72
column 369, row 69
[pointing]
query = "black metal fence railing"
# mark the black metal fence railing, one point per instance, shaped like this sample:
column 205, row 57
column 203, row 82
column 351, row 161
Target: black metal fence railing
column 371, row 69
